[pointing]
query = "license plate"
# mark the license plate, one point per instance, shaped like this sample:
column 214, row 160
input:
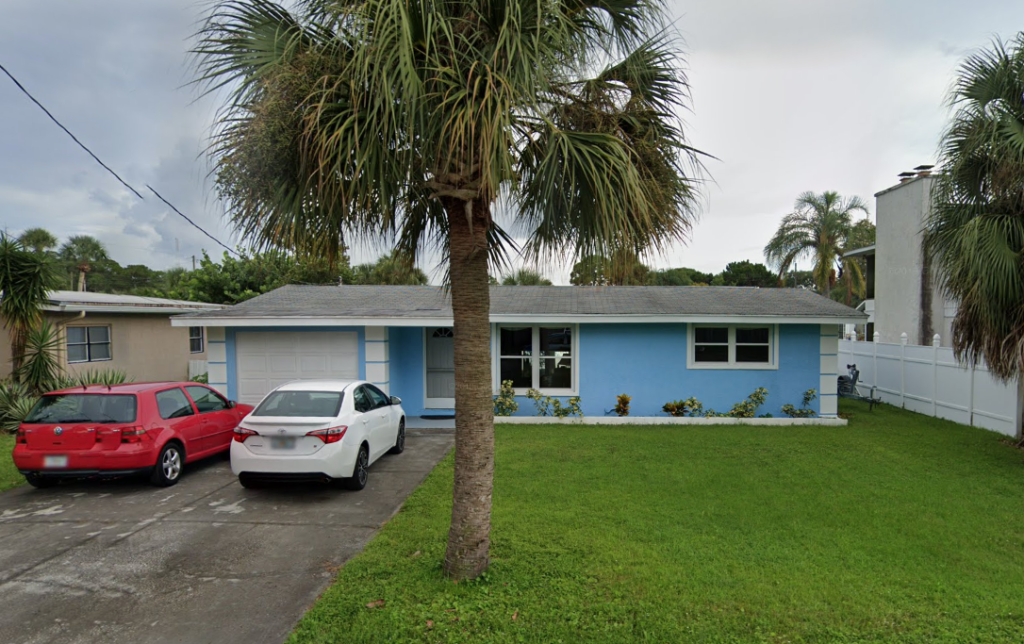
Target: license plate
column 282, row 442
column 55, row 461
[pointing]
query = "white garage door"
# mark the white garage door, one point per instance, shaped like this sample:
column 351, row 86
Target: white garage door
column 268, row 360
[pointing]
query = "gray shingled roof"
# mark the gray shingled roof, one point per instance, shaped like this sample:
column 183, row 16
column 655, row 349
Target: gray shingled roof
column 430, row 302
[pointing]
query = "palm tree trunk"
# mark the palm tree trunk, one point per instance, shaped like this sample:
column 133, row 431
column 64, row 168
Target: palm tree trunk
column 469, row 537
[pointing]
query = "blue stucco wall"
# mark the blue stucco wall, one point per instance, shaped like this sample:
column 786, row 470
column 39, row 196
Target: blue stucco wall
column 646, row 361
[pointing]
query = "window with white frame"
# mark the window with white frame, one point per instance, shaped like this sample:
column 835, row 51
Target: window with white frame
column 733, row 346
column 88, row 343
column 536, row 357
column 195, row 339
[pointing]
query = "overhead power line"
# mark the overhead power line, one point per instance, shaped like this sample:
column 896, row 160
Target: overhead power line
column 105, row 166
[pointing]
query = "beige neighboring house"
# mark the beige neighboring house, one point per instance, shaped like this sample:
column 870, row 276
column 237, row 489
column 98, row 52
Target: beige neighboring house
column 126, row 332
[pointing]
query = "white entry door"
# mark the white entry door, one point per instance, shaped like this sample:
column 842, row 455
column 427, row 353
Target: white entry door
column 440, row 368
column 265, row 360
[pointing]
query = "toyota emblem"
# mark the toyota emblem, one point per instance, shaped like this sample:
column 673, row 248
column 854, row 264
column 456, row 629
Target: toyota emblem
column 58, row 430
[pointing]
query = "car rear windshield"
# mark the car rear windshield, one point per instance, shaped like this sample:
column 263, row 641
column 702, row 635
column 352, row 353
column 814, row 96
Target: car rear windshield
column 321, row 404
column 84, row 408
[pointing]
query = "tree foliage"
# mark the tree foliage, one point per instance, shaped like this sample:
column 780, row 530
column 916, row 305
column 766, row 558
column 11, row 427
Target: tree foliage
column 975, row 234
column 746, row 273
column 393, row 268
column 236, row 279
column 819, row 225
column 25, row 279
column 525, row 277
column 38, row 240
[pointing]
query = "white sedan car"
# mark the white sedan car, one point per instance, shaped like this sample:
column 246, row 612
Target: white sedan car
column 324, row 430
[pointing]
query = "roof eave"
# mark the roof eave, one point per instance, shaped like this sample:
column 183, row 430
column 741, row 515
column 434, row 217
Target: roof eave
column 332, row 321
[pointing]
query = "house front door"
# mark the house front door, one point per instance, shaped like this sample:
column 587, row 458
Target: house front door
column 440, row 368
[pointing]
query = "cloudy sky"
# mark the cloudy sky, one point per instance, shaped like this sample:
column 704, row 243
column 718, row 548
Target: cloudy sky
column 790, row 95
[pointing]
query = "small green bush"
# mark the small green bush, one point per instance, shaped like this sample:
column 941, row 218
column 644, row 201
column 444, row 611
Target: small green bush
column 805, row 411
column 505, row 402
column 748, row 408
column 16, row 401
column 677, row 408
column 548, row 406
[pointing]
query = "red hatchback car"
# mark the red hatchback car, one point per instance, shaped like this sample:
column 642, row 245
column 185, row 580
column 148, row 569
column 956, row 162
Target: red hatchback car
column 137, row 428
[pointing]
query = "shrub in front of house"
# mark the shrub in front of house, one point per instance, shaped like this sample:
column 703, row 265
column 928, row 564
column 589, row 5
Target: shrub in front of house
column 548, row 406
column 505, row 402
column 622, row 404
column 805, row 411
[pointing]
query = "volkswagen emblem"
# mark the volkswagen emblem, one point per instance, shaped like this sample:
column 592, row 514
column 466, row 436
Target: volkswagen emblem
column 58, row 430
column 282, row 430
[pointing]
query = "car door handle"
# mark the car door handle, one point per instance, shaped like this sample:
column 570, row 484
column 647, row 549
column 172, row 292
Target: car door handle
column 366, row 420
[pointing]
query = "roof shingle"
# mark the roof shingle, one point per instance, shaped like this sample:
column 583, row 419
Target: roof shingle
column 296, row 301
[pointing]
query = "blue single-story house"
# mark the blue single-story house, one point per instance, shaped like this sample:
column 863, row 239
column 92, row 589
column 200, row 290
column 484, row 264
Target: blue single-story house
column 654, row 343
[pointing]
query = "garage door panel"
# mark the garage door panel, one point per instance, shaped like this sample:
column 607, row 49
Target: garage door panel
column 267, row 360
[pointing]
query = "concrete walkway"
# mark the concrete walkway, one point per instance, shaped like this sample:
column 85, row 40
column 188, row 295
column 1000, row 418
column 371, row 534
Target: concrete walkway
column 203, row 561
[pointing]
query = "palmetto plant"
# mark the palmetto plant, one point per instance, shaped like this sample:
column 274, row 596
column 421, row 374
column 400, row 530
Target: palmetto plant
column 25, row 280
column 975, row 234
column 818, row 225
column 525, row 277
column 417, row 122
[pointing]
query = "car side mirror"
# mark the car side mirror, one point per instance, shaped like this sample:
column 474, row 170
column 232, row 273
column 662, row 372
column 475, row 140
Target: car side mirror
column 395, row 400
column 232, row 404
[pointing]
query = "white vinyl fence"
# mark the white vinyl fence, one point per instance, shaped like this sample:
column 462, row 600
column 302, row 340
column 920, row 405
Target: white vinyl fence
column 930, row 381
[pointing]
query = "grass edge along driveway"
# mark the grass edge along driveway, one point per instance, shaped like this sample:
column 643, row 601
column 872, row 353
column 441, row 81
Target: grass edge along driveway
column 10, row 477
column 897, row 528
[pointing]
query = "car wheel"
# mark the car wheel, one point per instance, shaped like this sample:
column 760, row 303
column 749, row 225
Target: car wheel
column 399, row 440
column 168, row 466
column 361, row 472
column 40, row 482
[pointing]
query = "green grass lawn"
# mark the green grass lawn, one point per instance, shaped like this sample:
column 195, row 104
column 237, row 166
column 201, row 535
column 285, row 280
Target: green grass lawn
column 897, row 528
column 9, row 476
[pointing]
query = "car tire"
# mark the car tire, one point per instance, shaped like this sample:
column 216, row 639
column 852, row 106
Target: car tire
column 40, row 482
column 360, row 474
column 399, row 440
column 169, row 465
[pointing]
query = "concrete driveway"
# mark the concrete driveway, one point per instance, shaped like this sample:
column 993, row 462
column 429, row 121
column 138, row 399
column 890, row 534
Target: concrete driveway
column 203, row 561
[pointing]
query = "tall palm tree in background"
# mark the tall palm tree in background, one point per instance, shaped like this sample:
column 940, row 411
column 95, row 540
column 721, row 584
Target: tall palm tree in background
column 975, row 233
column 80, row 254
column 413, row 121
column 38, row 240
column 25, row 279
column 819, row 225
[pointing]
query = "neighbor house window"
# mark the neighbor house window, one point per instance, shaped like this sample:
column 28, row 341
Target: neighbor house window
column 88, row 343
column 733, row 347
column 195, row 339
column 536, row 357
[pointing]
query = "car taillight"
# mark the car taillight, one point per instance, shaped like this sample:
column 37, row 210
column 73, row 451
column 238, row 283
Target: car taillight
column 21, row 438
column 241, row 433
column 132, row 434
column 330, row 435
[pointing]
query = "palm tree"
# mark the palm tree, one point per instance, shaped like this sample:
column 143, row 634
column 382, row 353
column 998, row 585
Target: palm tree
column 25, row 280
column 391, row 269
column 525, row 277
column 38, row 240
column 819, row 225
column 81, row 254
column 414, row 121
column 975, row 233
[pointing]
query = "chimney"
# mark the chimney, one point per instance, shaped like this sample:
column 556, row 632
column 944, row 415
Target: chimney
column 906, row 176
column 924, row 170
